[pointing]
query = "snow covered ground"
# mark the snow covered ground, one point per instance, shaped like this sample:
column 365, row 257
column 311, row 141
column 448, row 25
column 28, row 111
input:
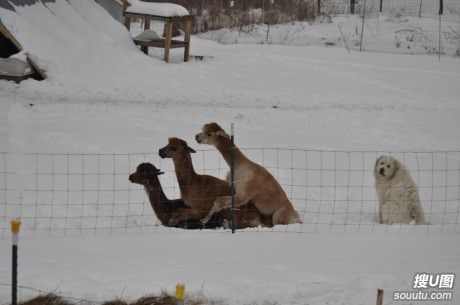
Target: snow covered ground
column 103, row 96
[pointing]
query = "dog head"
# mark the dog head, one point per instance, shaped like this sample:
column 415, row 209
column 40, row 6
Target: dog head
column 175, row 147
column 144, row 172
column 386, row 167
column 211, row 134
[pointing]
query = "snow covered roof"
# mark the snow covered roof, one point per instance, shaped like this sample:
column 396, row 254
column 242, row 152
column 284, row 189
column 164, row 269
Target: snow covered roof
column 157, row 9
column 9, row 4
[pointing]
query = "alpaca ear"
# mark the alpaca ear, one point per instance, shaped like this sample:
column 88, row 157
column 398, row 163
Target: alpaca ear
column 222, row 134
column 191, row 150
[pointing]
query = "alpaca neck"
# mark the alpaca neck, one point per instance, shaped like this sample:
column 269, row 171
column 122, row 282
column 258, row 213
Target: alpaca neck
column 225, row 148
column 184, row 169
column 157, row 198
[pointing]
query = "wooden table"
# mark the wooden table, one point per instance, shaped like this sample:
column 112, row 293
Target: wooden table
column 167, row 43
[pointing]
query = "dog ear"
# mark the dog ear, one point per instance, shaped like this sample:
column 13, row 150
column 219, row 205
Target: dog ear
column 190, row 150
column 160, row 173
column 396, row 168
column 222, row 134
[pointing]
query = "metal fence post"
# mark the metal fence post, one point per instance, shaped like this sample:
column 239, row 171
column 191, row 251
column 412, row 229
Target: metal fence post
column 232, row 177
column 441, row 11
column 15, row 226
column 362, row 28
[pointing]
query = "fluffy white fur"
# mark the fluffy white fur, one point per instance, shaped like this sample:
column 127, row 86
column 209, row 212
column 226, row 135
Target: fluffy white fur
column 397, row 193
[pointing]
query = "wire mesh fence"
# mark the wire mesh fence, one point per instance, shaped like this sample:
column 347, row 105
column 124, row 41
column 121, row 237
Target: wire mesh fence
column 390, row 26
column 333, row 191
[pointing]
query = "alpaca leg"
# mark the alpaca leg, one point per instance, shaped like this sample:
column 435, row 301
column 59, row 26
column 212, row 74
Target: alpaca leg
column 222, row 203
column 285, row 216
column 184, row 214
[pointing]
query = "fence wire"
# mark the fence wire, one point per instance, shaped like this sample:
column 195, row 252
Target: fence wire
column 334, row 191
column 389, row 26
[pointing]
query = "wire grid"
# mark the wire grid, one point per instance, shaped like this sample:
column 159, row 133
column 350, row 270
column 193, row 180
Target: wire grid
column 408, row 26
column 400, row 26
column 333, row 191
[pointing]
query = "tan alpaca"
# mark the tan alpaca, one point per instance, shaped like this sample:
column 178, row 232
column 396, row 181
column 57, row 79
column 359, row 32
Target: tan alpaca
column 200, row 191
column 252, row 181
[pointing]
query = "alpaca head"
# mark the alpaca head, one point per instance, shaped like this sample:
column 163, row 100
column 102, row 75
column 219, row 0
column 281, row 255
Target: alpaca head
column 176, row 147
column 211, row 134
column 144, row 174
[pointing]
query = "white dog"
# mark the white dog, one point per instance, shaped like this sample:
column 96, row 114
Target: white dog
column 397, row 193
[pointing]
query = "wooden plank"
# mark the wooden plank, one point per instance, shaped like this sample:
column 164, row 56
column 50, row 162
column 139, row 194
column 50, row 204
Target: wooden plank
column 10, row 37
column 160, row 43
column 36, row 67
column 169, row 28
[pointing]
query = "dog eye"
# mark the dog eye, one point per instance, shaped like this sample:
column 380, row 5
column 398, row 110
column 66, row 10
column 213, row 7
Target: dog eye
column 388, row 166
column 208, row 134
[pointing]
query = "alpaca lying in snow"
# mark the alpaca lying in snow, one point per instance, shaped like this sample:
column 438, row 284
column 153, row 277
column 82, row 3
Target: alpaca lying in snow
column 147, row 174
column 200, row 191
column 253, row 182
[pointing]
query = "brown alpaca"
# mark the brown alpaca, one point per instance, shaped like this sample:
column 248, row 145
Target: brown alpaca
column 147, row 174
column 200, row 191
column 253, row 182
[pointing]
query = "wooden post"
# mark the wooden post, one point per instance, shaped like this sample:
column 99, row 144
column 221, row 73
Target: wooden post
column 319, row 7
column 379, row 297
column 169, row 27
column 352, row 6
column 381, row 5
column 127, row 19
column 145, row 49
column 188, row 31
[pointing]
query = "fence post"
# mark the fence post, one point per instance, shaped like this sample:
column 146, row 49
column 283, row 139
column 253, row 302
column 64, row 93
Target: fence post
column 352, row 6
column 180, row 294
column 420, row 9
column 127, row 19
column 15, row 226
column 441, row 11
column 232, row 177
column 319, row 7
column 381, row 5
column 379, row 297
column 362, row 28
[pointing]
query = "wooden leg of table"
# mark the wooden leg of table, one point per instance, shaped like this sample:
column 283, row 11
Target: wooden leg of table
column 188, row 31
column 128, row 23
column 169, row 28
column 145, row 49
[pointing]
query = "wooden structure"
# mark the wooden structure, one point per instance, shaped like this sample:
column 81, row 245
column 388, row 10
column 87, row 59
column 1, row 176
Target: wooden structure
column 9, row 46
column 167, row 42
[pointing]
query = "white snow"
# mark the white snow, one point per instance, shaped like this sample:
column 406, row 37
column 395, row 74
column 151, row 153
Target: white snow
column 104, row 96
column 157, row 9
